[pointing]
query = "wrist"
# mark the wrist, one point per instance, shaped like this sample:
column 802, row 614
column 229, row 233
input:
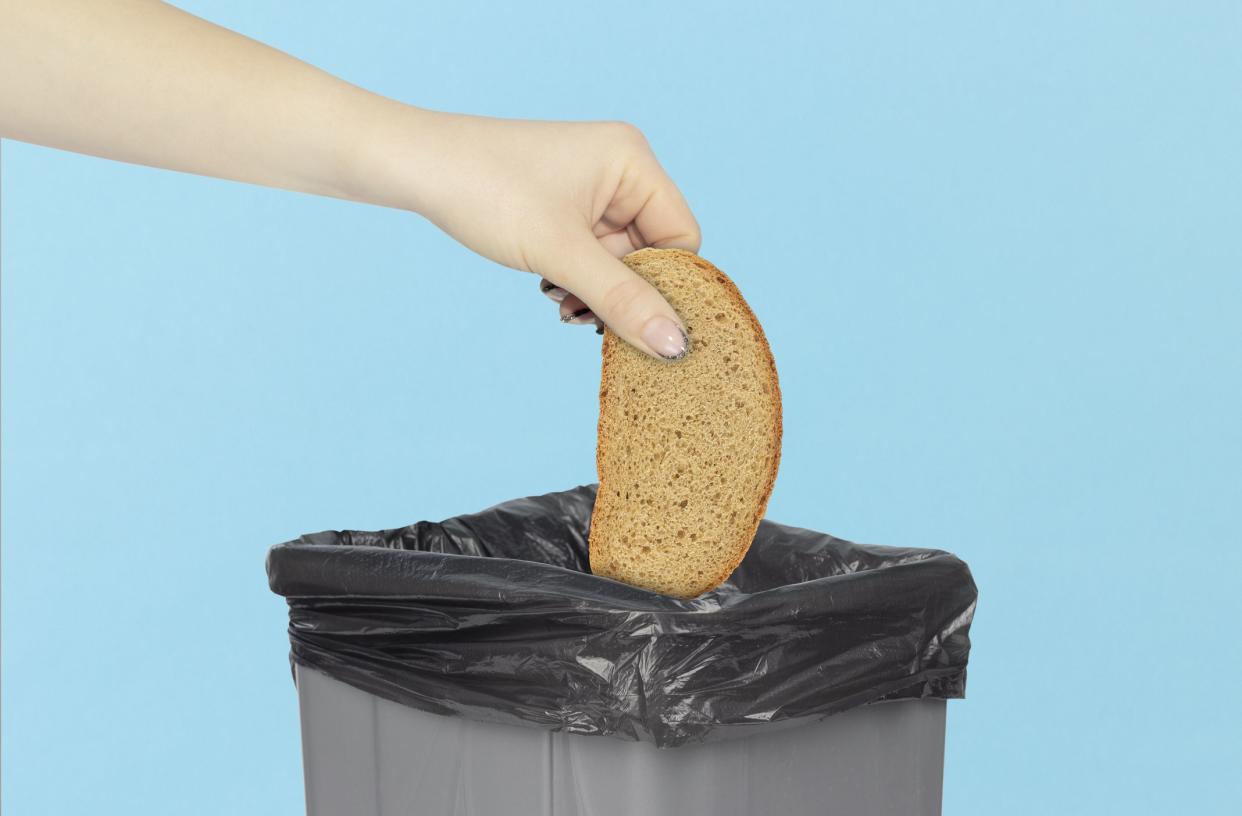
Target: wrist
column 394, row 154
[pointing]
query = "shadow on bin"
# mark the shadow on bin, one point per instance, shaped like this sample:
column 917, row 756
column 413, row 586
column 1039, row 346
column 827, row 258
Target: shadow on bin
column 715, row 705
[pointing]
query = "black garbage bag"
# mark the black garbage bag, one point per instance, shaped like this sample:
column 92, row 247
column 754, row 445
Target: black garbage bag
column 495, row 616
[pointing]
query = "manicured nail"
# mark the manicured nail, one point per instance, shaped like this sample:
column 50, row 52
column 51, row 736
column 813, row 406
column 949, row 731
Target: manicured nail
column 666, row 338
column 599, row 328
column 576, row 316
column 553, row 291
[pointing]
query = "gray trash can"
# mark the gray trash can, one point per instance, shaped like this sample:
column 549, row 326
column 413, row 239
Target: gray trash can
column 367, row 756
column 476, row 666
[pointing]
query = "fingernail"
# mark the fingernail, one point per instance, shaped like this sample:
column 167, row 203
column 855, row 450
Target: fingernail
column 553, row 291
column 599, row 328
column 666, row 338
column 576, row 316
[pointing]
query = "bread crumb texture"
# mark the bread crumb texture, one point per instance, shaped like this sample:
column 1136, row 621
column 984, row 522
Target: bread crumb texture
column 688, row 450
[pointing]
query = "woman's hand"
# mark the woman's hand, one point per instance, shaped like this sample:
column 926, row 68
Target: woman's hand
column 144, row 82
column 564, row 200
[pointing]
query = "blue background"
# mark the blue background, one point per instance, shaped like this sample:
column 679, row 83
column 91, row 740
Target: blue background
column 998, row 255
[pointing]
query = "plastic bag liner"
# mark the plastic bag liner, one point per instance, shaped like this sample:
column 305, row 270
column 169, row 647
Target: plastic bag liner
column 495, row 616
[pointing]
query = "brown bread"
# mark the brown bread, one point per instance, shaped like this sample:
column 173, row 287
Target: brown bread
column 688, row 450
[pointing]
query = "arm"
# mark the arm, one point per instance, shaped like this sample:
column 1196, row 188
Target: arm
column 143, row 82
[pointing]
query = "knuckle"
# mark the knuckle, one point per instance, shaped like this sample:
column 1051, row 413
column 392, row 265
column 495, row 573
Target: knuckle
column 694, row 235
column 622, row 303
column 628, row 133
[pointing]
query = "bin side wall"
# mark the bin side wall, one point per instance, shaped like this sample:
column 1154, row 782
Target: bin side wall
column 367, row 756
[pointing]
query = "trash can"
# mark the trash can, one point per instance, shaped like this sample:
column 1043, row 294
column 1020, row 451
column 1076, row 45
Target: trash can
column 475, row 666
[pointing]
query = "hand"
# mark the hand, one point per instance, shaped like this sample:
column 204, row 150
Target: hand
column 564, row 200
column 147, row 83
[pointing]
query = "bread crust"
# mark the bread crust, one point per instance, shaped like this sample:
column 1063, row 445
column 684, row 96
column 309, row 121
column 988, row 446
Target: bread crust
column 608, row 352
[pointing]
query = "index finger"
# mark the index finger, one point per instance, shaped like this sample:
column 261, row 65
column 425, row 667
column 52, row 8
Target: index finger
column 665, row 219
column 647, row 209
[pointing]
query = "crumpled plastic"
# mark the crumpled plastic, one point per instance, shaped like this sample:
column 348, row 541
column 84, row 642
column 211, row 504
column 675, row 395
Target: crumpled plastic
column 495, row 616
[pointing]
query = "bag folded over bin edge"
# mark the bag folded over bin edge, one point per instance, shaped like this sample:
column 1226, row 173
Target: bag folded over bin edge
column 495, row 616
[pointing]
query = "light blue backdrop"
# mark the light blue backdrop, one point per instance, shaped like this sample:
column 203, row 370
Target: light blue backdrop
column 998, row 254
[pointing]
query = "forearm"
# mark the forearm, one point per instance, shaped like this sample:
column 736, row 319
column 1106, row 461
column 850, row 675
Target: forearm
column 143, row 82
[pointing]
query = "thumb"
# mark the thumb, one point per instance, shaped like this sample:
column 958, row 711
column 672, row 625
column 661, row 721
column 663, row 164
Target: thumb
column 629, row 306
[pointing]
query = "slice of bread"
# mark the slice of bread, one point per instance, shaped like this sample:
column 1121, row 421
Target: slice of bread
column 688, row 450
